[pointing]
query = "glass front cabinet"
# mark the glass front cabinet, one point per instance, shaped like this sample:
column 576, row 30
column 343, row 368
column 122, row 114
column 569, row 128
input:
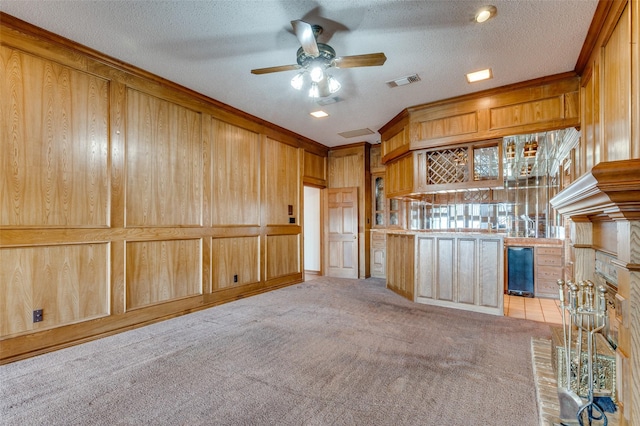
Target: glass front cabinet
column 380, row 221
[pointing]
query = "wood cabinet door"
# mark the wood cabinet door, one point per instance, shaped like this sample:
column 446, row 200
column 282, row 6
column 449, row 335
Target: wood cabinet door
column 341, row 232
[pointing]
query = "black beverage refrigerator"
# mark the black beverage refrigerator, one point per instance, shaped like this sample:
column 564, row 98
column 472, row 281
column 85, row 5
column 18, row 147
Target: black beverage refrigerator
column 520, row 271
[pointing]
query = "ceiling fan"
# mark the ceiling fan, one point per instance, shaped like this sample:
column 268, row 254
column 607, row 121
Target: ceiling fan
column 314, row 59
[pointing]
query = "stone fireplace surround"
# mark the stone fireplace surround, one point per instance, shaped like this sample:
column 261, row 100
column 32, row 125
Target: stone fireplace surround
column 601, row 203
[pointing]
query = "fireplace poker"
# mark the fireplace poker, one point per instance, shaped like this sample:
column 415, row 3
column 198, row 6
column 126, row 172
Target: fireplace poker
column 596, row 321
column 569, row 400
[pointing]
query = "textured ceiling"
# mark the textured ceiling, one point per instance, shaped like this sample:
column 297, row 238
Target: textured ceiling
column 211, row 46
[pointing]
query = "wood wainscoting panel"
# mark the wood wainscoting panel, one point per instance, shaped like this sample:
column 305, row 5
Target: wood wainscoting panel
column 605, row 236
column 398, row 142
column 401, row 264
column 466, row 269
column 283, row 256
column 445, row 273
column 315, row 169
column 236, row 175
column 282, row 184
column 590, row 119
column 159, row 271
column 236, row 261
column 490, row 258
column 54, row 144
column 448, row 126
column 426, row 267
column 458, row 271
column 70, row 283
column 399, row 176
column 538, row 111
column 164, row 152
column 346, row 168
column 616, row 99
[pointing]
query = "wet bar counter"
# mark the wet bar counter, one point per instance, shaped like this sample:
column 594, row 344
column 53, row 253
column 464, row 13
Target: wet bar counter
column 456, row 270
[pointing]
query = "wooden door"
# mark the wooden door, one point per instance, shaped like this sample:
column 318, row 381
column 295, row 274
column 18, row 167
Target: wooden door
column 341, row 232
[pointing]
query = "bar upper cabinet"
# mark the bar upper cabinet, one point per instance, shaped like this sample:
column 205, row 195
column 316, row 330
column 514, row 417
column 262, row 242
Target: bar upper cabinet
column 379, row 202
column 465, row 166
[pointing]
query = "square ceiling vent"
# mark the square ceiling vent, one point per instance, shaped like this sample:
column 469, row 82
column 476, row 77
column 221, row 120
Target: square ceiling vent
column 328, row 101
column 356, row 133
column 403, row 81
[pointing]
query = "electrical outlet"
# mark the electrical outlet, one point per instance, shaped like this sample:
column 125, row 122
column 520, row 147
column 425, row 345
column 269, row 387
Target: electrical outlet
column 37, row 315
column 235, row 278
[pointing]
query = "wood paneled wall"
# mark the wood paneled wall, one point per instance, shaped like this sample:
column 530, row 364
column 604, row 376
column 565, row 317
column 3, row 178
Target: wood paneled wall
column 545, row 104
column 232, row 179
column 126, row 199
column 400, row 176
column 349, row 166
column 609, row 91
column 315, row 169
column 401, row 264
column 163, row 154
column 54, row 144
column 610, row 117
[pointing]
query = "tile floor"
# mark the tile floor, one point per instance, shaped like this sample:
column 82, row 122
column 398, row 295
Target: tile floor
column 535, row 309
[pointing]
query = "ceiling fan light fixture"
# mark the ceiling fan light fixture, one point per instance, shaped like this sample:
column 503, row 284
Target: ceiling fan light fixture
column 334, row 85
column 314, row 92
column 297, row 81
column 317, row 74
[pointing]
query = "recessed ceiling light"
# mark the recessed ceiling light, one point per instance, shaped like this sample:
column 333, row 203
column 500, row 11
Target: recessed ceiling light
column 319, row 114
column 486, row 74
column 485, row 14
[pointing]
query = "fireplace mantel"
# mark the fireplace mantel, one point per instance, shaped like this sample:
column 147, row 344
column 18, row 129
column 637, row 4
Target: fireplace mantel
column 610, row 191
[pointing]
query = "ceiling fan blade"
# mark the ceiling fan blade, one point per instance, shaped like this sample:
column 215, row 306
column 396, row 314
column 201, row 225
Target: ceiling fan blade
column 367, row 60
column 275, row 69
column 304, row 32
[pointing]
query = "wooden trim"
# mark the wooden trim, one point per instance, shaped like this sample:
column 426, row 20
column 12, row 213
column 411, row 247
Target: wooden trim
column 611, row 188
column 21, row 347
column 311, row 181
column 635, row 80
column 351, row 145
column 498, row 90
column 399, row 118
column 597, row 24
column 396, row 154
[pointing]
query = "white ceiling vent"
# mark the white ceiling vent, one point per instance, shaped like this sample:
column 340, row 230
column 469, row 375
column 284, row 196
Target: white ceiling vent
column 328, row 101
column 356, row 133
column 403, row 81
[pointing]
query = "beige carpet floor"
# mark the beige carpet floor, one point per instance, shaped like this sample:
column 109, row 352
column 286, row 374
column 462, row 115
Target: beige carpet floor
column 324, row 352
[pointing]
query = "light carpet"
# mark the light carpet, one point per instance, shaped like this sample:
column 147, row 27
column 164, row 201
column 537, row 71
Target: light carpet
column 324, row 352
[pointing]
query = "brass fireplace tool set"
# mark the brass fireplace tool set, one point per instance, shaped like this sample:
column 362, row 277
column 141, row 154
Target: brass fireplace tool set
column 584, row 312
